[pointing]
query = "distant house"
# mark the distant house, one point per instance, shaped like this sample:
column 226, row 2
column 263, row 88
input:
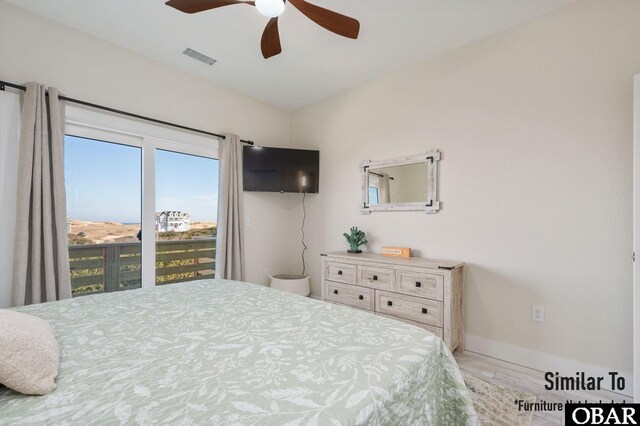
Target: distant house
column 172, row 221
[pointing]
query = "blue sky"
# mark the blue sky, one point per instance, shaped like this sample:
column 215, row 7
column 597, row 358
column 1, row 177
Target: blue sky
column 104, row 181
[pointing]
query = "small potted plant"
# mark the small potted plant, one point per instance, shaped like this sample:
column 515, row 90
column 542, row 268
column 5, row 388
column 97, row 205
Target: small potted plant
column 355, row 239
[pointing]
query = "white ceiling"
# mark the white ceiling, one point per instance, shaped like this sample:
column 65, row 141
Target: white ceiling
column 315, row 63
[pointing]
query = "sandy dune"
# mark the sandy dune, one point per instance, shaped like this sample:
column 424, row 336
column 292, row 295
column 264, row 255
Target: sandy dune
column 110, row 232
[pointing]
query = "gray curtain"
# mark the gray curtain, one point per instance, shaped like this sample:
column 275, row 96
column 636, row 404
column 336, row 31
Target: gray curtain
column 230, row 239
column 384, row 195
column 41, row 259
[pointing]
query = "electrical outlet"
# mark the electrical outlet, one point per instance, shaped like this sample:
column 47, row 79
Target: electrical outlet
column 247, row 221
column 537, row 313
column 266, row 274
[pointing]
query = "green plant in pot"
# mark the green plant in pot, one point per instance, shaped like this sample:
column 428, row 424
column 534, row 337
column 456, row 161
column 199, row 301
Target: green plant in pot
column 355, row 239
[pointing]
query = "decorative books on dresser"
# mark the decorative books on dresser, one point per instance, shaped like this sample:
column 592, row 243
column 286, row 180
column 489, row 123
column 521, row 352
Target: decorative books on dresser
column 423, row 292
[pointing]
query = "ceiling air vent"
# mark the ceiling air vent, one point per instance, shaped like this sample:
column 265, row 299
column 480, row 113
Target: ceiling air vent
column 194, row 54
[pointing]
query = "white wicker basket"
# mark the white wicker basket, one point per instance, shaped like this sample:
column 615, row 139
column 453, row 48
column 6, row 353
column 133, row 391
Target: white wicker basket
column 297, row 284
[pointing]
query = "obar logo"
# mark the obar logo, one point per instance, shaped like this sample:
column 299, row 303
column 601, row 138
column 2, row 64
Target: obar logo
column 602, row 414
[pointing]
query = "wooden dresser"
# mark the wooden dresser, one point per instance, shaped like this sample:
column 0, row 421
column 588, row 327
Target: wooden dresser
column 423, row 292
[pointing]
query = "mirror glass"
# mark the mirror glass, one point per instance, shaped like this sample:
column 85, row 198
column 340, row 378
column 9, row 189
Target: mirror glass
column 407, row 183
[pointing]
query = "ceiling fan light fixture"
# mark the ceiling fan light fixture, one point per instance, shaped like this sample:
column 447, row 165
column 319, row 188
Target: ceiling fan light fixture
column 270, row 8
column 270, row 43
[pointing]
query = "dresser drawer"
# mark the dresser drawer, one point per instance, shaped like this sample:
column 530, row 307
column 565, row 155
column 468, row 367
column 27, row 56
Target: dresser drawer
column 350, row 307
column 378, row 278
column 435, row 330
column 420, row 284
column 412, row 308
column 349, row 295
column 340, row 272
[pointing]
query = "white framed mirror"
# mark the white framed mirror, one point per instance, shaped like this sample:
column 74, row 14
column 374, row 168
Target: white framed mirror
column 401, row 184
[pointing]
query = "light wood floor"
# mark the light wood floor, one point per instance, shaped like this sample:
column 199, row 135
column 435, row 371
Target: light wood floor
column 527, row 380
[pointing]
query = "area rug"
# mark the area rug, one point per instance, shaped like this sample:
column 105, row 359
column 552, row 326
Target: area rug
column 494, row 404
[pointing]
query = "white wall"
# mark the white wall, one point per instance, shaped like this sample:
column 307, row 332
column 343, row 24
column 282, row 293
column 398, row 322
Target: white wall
column 9, row 135
column 81, row 66
column 535, row 126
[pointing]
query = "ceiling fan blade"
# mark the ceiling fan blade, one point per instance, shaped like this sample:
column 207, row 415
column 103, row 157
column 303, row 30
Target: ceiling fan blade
column 334, row 22
column 195, row 6
column 270, row 43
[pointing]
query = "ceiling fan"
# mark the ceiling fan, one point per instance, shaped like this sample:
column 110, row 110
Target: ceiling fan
column 270, row 44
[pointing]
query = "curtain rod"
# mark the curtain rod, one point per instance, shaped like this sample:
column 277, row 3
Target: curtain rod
column 125, row 113
column 378, row 174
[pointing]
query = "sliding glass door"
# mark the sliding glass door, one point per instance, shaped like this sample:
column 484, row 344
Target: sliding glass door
column 104, row 199
column 141, row 211
column 186, row 214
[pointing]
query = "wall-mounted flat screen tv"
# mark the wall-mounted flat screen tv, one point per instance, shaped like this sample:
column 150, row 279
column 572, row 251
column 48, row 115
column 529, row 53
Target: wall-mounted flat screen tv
column 281, row 170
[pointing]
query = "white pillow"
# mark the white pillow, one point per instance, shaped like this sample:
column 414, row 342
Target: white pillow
column 29, row 353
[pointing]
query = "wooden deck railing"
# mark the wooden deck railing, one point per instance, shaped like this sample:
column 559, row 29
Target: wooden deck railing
column 99, row 268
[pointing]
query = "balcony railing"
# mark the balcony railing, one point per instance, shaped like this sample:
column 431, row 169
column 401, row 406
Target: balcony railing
column 100, row 268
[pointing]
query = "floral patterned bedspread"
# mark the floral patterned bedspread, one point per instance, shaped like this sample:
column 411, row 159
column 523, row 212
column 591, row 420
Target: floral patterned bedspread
column 229, row 353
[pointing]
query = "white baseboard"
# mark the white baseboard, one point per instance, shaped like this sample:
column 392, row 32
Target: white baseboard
column 542, row 361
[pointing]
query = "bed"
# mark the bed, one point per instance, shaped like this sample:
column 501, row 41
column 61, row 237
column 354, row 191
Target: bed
column 230, row 353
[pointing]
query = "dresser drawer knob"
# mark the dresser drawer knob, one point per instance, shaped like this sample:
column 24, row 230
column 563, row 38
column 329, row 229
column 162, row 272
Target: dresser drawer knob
column 418, row 284
column 424, row 310
column 335, row 291
column 339, row 272
column 375, row 278
column 361, row 297
column 389, row 303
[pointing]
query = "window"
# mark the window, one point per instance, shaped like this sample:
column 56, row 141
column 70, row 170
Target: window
column 187, row 186
column 121, row 237
column 104, row 215
column 373, row 195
